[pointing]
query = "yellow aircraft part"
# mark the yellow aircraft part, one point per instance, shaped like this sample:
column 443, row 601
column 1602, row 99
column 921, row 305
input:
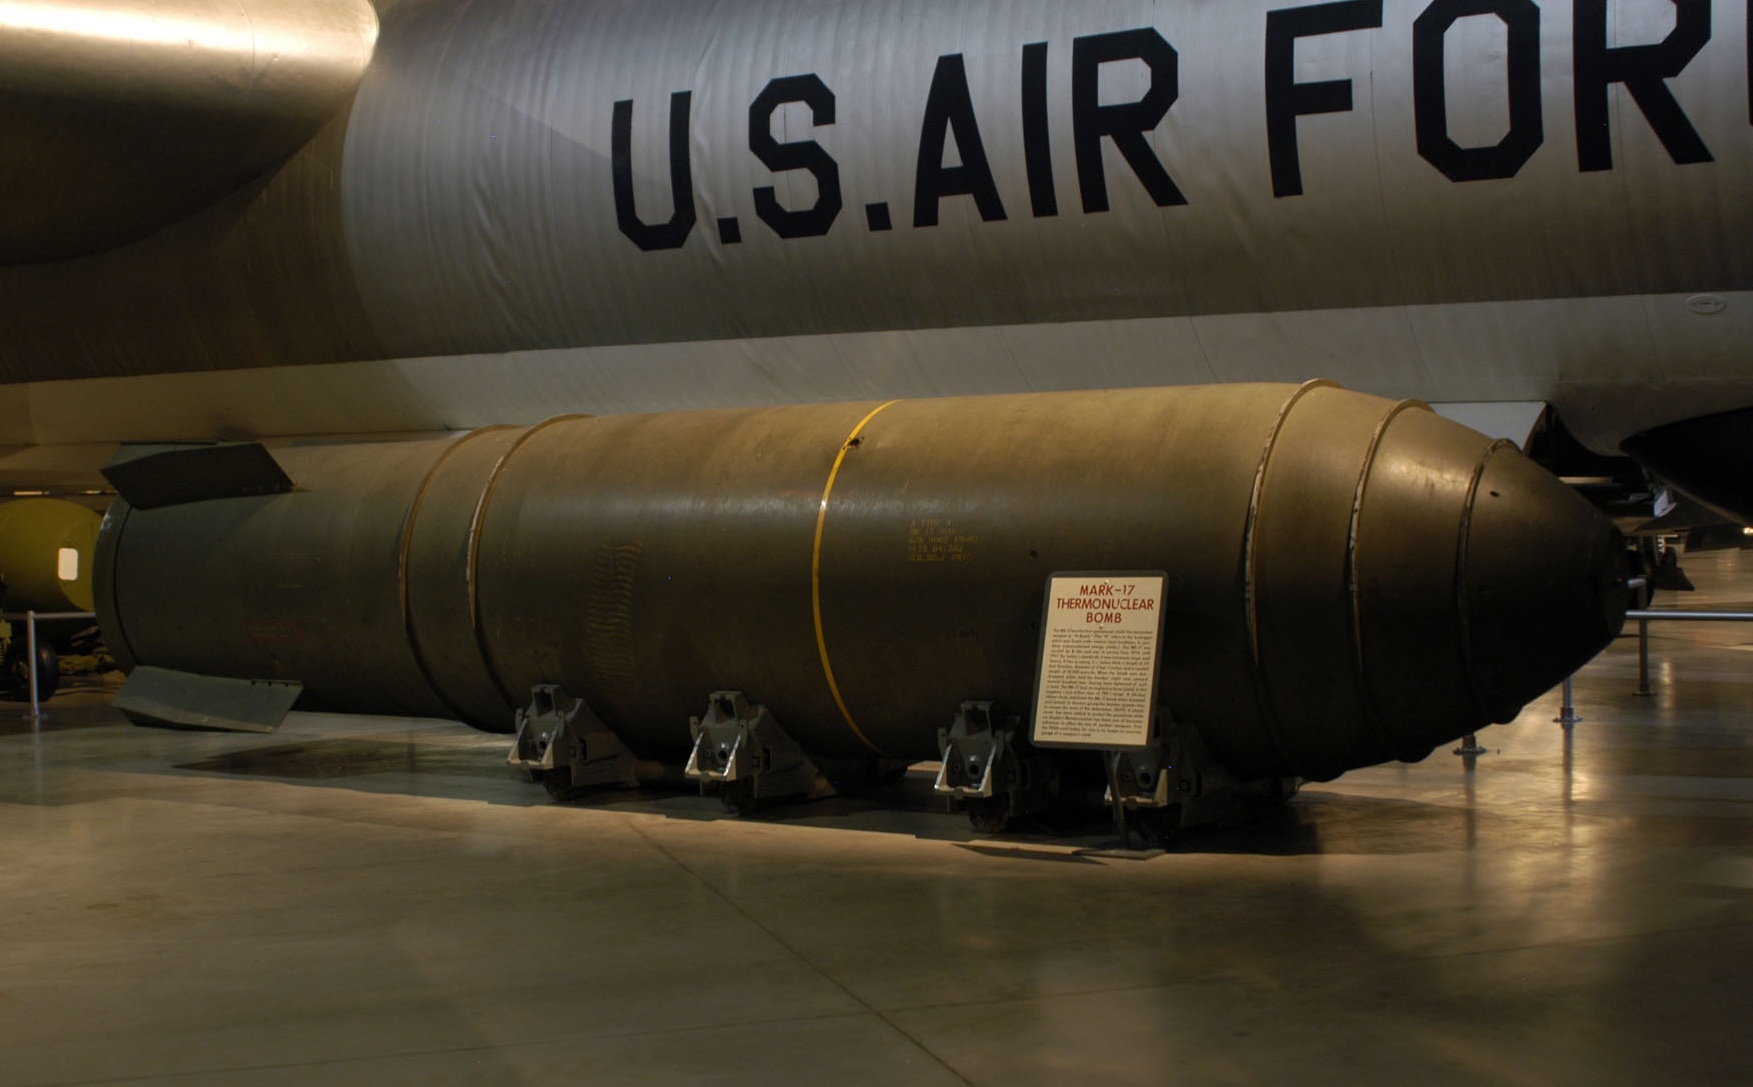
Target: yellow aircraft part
column 45, row 554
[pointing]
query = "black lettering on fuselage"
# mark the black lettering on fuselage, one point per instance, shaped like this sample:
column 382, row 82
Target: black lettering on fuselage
column 819, row 217
column 1644, row 69
column 949, row 109
column 1126, row 124
column 1521, row 20
column 647, row 236
column 1037, row 151
column 1286, row 99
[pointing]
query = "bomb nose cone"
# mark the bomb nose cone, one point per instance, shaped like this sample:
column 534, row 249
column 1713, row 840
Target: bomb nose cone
column 1481, row 581
column 1542, row 582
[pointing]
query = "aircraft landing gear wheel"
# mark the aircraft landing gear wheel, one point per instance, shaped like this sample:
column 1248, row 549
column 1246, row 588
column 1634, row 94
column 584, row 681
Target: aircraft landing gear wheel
column 989, row 814
column 738, row 797
column 17, row 674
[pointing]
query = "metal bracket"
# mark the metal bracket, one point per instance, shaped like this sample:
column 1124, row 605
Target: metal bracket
column 740, row 747
column 557, row 732
column 1145, row 783
column 1141, row 779
column 1176, row 783
column 972, row 751
column 990, row 771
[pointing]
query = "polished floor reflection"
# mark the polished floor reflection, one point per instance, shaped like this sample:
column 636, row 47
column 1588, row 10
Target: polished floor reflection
column 375, row 901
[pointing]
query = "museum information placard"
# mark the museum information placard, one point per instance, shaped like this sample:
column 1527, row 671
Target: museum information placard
column 1101, row 635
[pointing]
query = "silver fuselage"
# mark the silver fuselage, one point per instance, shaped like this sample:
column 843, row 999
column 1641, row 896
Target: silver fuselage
column 558, row 206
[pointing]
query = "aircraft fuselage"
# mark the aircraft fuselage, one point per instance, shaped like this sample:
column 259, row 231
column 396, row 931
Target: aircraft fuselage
column 605, row 207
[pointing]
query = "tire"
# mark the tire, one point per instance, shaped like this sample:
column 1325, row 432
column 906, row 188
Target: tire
column 18, row 675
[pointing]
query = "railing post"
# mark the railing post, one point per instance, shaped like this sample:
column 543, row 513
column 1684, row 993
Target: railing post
column 1643, row 659
column 30, row 671
column 1567, row 712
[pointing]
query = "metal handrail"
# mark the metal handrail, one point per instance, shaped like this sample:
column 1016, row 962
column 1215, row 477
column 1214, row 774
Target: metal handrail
column 25, row 616
column 29, row 619
column 1675, row 613
column 1645, row 616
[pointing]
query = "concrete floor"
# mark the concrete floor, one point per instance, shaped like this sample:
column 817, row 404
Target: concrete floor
column 379, row 901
